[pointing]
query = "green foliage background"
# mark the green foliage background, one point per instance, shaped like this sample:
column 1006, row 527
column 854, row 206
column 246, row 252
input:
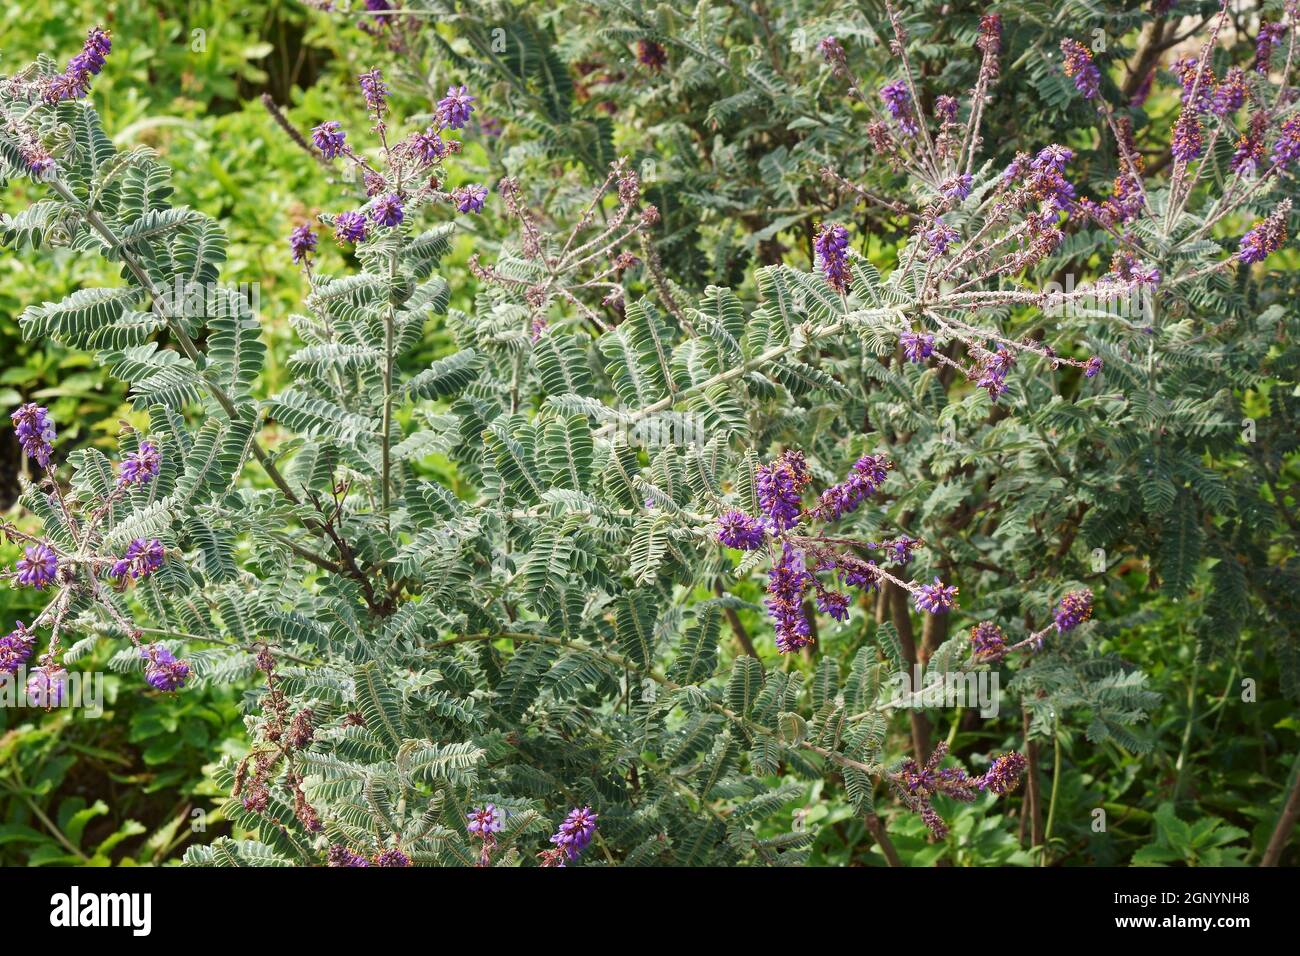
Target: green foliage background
column 736, row 177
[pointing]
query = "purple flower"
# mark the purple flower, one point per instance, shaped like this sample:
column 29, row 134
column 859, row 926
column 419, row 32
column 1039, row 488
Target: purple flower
column 162, row 670
column 485, row 822
column 1053, row 157
column 831, row 50
column 1287, row 148
column 1230, row 94
column 328, row 139
column 1197, row 82
column 339, row 855
column 867, row 475
column 899, row 550
column 780, row 488
column 387, row 210
column 1267, row 236
column 831, row 247
column 38, row 567
column 142, row 558
column 1269, row 35
column 302, row 242
column 957, row 188
column 990, row 38
column 945, row 108
column 469, row 198
column 74, row 82
column 140, row 466
column 35, row 431
column 350, row 227
column 834, row 603
column 392, row 858
column 1004, row 774
column 374, row 90
column 1079, row 66
column 738, row 530
column 15, row 648
column 938, row 237
column 1249, row 148
column 987, row 640
column 899, row 103
column 1074, row 609
column 993, row 369
column 860, row 574
column 1093, row 368
column 428, row 146
column 917, row 346
column 576, row 832
column 1187, row 140
column 455, row 108
column 46, row 686
column 787, row 583
column 937, row 598
column 1128, row 269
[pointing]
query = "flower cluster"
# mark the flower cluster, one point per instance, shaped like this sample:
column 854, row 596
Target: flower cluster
column 140, row 466
column 574, row 835
column 35, row 431
column 917, row 785
column 1074, row 609
column 1266, row 237
column 831, row 247
column 162, row 670
column 483, row 825
column 407, row 177
column 74, row 82
column 1080, row 68
column 780, row 488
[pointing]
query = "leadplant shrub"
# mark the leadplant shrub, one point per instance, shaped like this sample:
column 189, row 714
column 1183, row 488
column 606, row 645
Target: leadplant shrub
column 493, row 599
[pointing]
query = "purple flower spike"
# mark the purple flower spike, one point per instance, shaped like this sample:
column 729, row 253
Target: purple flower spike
column 1270, row 34
column 38, row 567
column 469, row 198
column 35, row 431
column 1287, row 148
column 142, row 558
column 936, row 598
column 392, row 858
column 834, row 603
column 328, row 139
column 1267, row 236
column 47, row 686
column 1074, row 609
column 957, row 188
column 1093, row 368
column 787, row 583
column 832, row 50
column 899, row 103
column 141, row 466
column 576, row 832
column 302, row 242
column 387, row 210
column 738, row 530
column 162, row 670
column 1004, row 774
column 987, row 640
column 1080, row 68
column 374, row 90
column 1187, row 140
column 917, row 346
column 350, row 227
column 780, row 488
column 831, row 247
column 485, row 822
column 428, row 146
column 455, row 108
column 74, row 82
column 341, row 856
column 868, row 474
column 15, row 648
